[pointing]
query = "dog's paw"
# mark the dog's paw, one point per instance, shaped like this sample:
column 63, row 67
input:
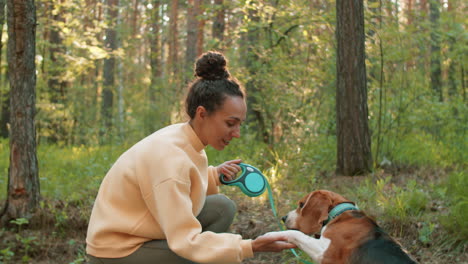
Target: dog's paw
column 292, row 236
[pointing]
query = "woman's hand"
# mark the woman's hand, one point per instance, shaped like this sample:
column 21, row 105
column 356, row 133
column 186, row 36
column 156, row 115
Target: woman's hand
column 229, row 169
column 271, row 242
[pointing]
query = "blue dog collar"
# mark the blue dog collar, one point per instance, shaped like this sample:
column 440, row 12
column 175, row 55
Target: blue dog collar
column 339, row 209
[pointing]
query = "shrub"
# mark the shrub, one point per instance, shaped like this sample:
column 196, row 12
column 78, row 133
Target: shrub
column 455, row 219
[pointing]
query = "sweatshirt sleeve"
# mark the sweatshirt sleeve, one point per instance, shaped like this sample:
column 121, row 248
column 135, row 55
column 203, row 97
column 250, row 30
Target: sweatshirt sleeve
column 173, row 211
column 213, row 181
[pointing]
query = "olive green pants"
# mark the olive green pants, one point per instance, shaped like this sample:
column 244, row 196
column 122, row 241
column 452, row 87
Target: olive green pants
column 216, row 216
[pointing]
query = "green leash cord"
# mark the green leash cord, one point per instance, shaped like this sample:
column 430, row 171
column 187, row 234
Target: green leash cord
column 273, row 208
column 253, row 183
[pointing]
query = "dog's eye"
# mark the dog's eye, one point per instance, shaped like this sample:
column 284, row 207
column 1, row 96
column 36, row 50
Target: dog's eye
column 301, row 204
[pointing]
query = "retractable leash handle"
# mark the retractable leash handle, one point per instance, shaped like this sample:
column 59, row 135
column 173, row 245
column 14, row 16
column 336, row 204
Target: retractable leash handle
column 253, row 183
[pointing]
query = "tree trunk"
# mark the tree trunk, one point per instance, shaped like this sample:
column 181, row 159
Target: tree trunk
column 354, row 146
column 156, row 67
column 56, row 64
column 381, row 86
column 98, row 65
column 251, row 87
column 201, row 26
column 219, row 22
column 55, row 67
column 195, row 25
column 409, row 11
column 423, row 7
column 192, row 33
column 173, row 35
column 5, row 114
column 109, row 70
column 23, row 182
column 463, row 85
column 155, row 49
column 135, row 19
column 2, row 22
column 4, row 95
column 410, row 62
column 452, row 71
column 436, row 73
column 120, row 82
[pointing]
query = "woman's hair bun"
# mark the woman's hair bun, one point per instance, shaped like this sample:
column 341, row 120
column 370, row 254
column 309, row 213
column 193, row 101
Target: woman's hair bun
column 211, row 66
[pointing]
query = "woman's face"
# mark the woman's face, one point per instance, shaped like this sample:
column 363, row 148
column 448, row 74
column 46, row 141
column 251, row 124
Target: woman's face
column 220, row 127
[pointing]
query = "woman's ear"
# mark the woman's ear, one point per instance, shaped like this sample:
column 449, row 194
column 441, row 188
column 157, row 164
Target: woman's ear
column 201, row 112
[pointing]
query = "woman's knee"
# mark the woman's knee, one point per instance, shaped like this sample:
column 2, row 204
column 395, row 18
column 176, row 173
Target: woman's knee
column 222, row 204
column 218, row 213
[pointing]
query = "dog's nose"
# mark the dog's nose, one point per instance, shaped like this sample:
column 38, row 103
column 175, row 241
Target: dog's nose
column 284, row 218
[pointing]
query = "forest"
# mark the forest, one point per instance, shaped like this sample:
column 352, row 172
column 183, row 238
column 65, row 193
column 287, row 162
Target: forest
column 364, row 98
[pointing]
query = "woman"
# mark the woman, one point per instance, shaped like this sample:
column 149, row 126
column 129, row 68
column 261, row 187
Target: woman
column 159, row 202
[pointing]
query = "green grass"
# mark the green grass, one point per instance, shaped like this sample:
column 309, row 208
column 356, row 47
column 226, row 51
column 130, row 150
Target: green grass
column 455, row 187
column 66, row 173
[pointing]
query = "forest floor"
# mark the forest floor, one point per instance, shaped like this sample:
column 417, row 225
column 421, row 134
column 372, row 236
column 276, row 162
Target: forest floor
column 63, row 228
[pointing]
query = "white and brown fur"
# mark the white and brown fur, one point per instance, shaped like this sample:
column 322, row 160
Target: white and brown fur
column 350, row 238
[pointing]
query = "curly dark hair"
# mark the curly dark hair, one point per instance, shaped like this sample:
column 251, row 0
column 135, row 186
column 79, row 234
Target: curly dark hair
column 213, row 84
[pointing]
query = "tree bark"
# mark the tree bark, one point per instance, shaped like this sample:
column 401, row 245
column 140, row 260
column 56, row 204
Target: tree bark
column 120, row 81
column 423, row 7
column 452, row 71
column 135, row 19
column 155, row 49
column 195, row 25
column 2, row 22
column 201, row 26
column 409, row 11
column 219, row 22
column 23, row 182
column 173, row 35
column 109, row 70
column 252, row 39
column 56, row 64
column 436, row 72
column 5, row 95
column 154, row 95
column 353, row 138
column 192, row 33
column 5, row 114
column 98, row 65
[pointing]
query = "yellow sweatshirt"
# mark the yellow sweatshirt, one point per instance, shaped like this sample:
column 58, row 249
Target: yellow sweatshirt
column 155, row 190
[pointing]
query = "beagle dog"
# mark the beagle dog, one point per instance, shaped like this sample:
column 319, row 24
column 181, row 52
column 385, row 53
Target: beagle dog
column 346, row 234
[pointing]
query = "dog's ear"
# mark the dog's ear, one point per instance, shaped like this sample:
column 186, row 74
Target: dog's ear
column 304, row 201
column 336, row 198
column 314, row 212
